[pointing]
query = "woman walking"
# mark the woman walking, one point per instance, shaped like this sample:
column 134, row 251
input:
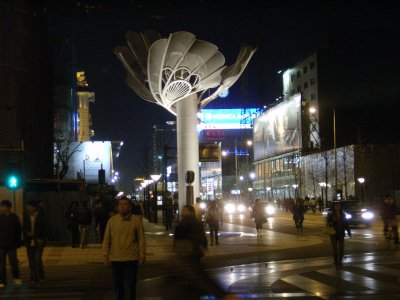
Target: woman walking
column 259, row 217
column 298, row 215
column 337, row 220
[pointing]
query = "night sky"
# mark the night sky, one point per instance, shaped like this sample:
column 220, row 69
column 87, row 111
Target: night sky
column 283, row 33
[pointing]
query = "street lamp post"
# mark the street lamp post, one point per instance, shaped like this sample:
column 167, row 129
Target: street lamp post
column 361, row 180
column 323, row 185
column 155, row 178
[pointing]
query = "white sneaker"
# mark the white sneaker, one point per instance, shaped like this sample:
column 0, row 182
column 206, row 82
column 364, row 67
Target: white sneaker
column 18, row 281
column 2, row 285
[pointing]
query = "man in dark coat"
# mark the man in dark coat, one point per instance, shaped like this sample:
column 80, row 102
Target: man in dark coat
column 10, row 240
column 84, row 218
column 35, row 238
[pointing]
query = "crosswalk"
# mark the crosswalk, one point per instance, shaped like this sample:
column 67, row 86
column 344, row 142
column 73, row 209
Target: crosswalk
column 363, row 277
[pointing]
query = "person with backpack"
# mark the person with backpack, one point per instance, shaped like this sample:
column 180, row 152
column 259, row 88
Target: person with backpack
column 213, row 216
column 84, row 218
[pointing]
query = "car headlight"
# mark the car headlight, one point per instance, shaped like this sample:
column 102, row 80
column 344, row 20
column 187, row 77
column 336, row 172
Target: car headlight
column 241, row 208
column 270, row 210
column 367, row 215
column 230, row 208
column 203, row 205
column 348, row 216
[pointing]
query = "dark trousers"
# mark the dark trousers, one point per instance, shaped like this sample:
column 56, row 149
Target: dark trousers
column 125, row 278
column 75, row 238
column 214, row 228
column 35, row 253
column 12, row 257
column 337, row 249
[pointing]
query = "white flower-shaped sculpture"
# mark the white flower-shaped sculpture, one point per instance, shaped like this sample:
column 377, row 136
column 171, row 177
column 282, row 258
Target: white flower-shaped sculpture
column 166, row 71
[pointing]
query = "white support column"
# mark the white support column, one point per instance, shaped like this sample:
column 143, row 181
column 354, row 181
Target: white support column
column 188, row 146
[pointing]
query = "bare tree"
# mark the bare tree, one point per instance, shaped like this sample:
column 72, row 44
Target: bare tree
column 63, row 156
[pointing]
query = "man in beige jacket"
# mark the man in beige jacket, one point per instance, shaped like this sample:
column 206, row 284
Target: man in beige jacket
column 124, row 246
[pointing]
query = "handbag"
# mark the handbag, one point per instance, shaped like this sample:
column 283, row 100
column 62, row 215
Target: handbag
column 329, row 230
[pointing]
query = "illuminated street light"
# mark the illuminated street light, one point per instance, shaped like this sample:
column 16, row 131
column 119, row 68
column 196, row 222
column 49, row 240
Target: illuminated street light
column 313, row 110
column 361, row 180
column 252, row 175
column 249, row 142
column 224, row 153
column 155, row 178
column 241, row 178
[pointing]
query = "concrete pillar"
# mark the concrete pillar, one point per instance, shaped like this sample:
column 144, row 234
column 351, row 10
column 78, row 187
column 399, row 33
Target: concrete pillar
column 187, row 146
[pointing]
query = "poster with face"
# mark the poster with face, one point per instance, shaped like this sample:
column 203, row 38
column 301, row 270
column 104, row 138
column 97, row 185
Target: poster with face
column 278, row 130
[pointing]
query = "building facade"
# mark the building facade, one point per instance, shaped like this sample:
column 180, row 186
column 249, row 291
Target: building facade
column 348, row 110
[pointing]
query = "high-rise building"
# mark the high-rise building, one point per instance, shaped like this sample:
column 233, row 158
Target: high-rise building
column 26, row 107
column 85, row 130
column 344, row 119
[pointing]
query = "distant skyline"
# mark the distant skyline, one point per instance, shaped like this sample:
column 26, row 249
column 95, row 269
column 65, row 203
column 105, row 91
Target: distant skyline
column 283, row 33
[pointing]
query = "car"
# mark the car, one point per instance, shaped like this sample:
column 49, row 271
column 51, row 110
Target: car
column 269, row 208
column 356, row 213
column 233, row 207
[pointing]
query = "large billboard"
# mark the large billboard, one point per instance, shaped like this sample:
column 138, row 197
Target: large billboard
column 278, row 130
column 87, row 159
column 234, row 118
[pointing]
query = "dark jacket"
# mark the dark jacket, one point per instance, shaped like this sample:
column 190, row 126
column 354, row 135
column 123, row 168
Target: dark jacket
column 190, row 238
column 83, row 215
column 39, row 230
column 10, row 231
column 340, row 224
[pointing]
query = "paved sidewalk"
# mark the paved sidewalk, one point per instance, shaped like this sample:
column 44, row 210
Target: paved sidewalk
column 74, row 273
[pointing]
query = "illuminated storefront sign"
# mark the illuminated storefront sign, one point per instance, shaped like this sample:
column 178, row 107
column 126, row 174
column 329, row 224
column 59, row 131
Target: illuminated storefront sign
column 235, row 118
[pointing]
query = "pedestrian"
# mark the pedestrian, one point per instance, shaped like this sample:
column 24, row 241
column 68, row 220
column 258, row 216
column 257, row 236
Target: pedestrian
column 198, row 209
column 313, row 205
column 189, row 280
column 259, row 217
column 10, row 241
column 124, row 247
column 212, row 218
column 320, row 204
column 168, row 214
column 337, row 220
column 72, row 224
column 388, row 216
column 34, row 230
column 84, row 218
column 101, row 218
column 298, row 215
column 137, row 208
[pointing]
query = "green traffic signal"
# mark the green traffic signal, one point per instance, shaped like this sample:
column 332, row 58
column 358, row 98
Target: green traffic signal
column 12, row 182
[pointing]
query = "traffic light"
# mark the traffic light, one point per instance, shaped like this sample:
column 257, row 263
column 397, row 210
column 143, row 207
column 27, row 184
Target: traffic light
column 13, row 176
column 13, row 182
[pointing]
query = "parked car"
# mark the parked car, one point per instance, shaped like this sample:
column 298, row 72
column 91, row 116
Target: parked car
column 355, row 212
